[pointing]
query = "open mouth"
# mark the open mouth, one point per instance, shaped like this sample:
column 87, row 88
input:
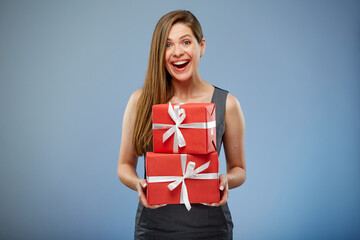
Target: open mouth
column 180, row 64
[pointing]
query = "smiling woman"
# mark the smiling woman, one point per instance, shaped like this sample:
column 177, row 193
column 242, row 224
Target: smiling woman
column 173, row 76
column 183, row 53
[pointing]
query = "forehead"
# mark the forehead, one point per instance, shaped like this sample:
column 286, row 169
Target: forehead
column 179, row 30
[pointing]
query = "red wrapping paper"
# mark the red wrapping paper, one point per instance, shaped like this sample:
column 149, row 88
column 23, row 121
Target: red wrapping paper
column 198, row 141
column 199, row 190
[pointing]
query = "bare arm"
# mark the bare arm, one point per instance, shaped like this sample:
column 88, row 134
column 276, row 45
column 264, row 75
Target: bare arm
column 234, row 143
column 127, row 158
column 233, row 140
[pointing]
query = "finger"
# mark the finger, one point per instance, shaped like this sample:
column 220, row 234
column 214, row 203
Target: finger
column 141, row 186
column 223, row 200
column 153, row 206
column 144, row 202
column 143, row 183
column 142, row 196
column 156, row 206
column 206, row 204
column 141, row 193
column 222, row 182
column 142, row 199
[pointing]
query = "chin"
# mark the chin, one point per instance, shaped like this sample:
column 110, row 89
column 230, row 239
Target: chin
column 181, row 79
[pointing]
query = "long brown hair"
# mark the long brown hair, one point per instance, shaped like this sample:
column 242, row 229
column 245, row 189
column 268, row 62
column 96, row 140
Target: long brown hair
column 157, row 87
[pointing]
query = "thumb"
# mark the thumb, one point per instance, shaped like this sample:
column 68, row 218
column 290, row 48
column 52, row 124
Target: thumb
column 143, row 183
column 223, row 181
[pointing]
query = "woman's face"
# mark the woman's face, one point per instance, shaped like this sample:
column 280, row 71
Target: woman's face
column 183, row 52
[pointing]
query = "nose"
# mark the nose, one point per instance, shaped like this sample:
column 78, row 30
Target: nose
column 178, row 51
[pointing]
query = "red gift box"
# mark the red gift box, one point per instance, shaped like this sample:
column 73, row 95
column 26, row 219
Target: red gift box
column 184, row 128
column 182, row 178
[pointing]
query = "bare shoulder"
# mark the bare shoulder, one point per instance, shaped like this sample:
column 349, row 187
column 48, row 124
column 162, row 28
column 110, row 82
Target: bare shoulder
column 233, row 109
column 134, row 98
column 232, row 104
column 130, row 110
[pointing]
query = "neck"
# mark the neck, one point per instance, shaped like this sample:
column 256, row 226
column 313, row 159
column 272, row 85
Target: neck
column 186, row 89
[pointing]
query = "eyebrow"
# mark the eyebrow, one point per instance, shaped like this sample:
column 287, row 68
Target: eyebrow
column 183, row 36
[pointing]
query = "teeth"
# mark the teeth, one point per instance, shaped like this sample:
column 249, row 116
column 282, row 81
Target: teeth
column 180, row 63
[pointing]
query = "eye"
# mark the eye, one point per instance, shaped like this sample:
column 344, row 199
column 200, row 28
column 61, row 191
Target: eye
column 187, row 42
column 168, row 45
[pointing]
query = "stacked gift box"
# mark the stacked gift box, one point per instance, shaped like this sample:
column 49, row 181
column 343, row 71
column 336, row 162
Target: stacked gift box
column 184, row 165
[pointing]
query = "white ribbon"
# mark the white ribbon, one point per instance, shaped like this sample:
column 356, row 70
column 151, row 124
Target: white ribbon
column 190, row 172
column 178, row 115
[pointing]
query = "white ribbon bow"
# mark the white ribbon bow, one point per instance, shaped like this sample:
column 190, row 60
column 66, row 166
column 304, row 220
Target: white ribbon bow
column 190, row 173
column 178, row 115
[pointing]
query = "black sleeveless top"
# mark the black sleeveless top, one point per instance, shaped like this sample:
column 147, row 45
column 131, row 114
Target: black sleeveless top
column 219, row 98
column 202, row 222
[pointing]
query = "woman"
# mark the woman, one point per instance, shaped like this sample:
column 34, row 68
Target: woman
column 173, row 75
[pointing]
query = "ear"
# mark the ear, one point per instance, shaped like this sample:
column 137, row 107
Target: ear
column 202, row 47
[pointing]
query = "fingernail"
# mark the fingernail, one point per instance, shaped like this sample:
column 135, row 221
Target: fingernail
column 213, row 205
column 221, row 187
column 157, row 206
column 144, row 185
column 163, row 205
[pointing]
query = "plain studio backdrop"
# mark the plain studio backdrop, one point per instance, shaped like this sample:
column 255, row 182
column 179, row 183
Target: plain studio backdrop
column 68, row 68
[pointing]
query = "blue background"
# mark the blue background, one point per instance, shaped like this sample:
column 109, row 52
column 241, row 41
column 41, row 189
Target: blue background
column 67, row 69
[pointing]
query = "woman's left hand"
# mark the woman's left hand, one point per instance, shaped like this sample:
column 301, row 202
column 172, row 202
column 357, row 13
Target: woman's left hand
column 224, row 191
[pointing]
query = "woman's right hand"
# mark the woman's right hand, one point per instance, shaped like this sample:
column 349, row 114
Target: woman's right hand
column 141, row 187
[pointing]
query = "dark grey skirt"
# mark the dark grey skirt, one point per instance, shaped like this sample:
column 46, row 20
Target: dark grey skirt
column 175, row 222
